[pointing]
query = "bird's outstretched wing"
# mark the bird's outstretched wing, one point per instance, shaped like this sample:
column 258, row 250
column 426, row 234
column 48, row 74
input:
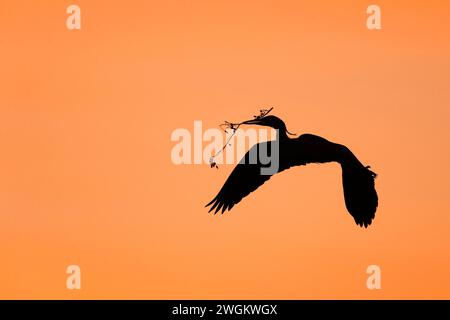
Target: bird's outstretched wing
column 360, row 196
column 245, row 178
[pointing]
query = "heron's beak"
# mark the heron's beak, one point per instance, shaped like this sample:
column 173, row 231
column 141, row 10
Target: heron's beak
column 254, row 121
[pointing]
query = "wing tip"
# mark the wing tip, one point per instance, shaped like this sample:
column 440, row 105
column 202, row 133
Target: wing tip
column 209, row 203
column 219, row 205
column 364, row 224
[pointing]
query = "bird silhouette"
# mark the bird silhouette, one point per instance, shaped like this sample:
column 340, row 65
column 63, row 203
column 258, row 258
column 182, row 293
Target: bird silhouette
column 358, row 181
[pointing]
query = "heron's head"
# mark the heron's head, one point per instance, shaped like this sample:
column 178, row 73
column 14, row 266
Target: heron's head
column 270, row 121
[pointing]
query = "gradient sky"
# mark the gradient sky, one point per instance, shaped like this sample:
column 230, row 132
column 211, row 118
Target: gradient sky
column 86, row 176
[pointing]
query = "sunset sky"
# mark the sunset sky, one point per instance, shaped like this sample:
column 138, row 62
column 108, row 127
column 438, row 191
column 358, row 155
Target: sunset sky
column 86, row 175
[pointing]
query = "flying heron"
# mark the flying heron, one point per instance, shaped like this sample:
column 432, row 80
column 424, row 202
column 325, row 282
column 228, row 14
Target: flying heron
column 358, row 180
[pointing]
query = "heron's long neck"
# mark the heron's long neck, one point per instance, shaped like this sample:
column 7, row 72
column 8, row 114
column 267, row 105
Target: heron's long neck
column 281, row 134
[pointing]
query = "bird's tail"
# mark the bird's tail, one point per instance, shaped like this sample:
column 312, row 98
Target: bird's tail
column 361, row 198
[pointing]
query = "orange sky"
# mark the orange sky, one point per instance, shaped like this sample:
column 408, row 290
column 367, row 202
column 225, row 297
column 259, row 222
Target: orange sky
column 86, row 176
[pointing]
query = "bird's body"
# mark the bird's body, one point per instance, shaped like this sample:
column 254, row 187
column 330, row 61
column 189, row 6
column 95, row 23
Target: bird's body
column 360, row 196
